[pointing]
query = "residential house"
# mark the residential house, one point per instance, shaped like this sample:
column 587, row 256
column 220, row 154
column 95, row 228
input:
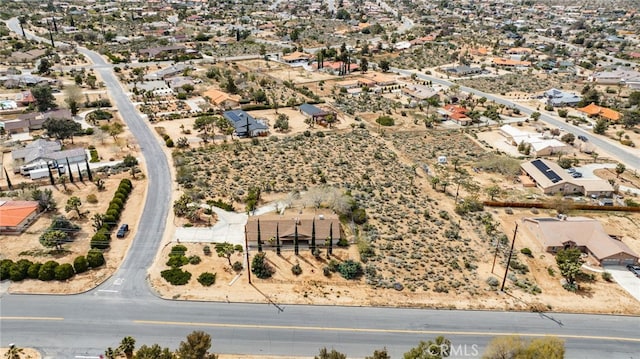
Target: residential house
column 630, row 78
column 45, row 151
column 25, row 98
column 552, row 179
column 16, row 216
column 419, row 92
column 463, row 70
column 32, row 121
column 558, row 98
column 297, row 57
column 498, row 61
column 245, row 125
column 519, row 51
column 455, row 113
column 161, row 52
column 318, row 115
column 222, row 99
column 593, row 110
column 372, row 79
column 584, row 233
column 327, row 225
column 167, row 72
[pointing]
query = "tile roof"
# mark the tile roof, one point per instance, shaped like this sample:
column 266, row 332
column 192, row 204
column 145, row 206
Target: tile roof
column 12, row 213
column 595, row 110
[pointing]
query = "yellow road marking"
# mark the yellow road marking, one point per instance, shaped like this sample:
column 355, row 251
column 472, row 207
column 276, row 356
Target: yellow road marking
column 31, row 318
column 372, row 330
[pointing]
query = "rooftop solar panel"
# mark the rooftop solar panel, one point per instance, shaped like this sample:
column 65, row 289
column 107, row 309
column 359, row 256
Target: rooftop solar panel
column 551, row 174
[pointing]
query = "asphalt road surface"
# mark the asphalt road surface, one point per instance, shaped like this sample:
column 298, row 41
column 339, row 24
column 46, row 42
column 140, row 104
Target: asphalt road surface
column 82, row 326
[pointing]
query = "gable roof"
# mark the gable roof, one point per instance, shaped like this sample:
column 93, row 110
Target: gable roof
column 311, row 110
column 35, row 149
column 239, row 119
column 583, row 231
column 286, row 225
column 218, row 97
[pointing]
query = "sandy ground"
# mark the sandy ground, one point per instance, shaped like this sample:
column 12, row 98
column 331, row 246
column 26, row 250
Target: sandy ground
column 27, row 353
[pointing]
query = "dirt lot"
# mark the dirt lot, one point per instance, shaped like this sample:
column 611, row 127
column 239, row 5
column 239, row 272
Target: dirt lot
column 27, row 353
column 416, row 237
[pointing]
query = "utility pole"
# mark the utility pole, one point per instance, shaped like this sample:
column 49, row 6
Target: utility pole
column 495, row 255
column 246, row 251
column 506, row 270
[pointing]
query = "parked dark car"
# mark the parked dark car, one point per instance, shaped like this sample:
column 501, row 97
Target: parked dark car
column 576, row 174
column 583, row 138
column 123, row 230
column 635, row 269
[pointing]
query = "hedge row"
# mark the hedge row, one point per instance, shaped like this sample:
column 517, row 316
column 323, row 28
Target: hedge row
column 102, row 237
column 25, row 269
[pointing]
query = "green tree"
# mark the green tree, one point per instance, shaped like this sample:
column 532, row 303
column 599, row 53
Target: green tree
column 385, row 66
column 437, row 349
column 130, row 161
column 350, row 269
column 196, row 346
column 364, row 65
column 73, row 204
column 127, row 346
column 535, row 115
column 225, row 250
column 505, row 347
column 568, row 138
column 45, row 199
column 547, row 347
column 601, row 126
column 516, row 347
column 206, row 126
column 54, row 238
column 44, row 97
column 620, row 168
column 73, row 98
column 569, row 262
column 61, row 128
column 154, row 352
column 380, row 354
column 113, row 129
column 231, row 86
column 493, row 191
column 282, row 122
column 64, row 271
column 80, row 264
column 260, row 267
column 333, row 354
column 95, row 258
column 47, row 271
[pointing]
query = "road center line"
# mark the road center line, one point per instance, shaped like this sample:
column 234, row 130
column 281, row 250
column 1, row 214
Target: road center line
column 373, row 330
column 31, row 318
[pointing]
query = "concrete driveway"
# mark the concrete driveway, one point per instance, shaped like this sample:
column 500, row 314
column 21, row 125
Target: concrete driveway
column 626, row 280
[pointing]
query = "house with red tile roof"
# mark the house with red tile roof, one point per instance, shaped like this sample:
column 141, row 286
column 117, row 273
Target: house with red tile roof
column 16, row 216
column 593, row 110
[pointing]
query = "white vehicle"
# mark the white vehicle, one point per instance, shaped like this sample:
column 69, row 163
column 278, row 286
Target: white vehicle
column 39, row 173
column 24, row 170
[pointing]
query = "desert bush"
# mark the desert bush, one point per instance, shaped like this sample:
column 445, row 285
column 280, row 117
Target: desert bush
column 5, row 266
column 350, row 269
column 92, row 198
column 19, row 270
column 206, row 250
column 359, row 216
column 207, row 279
column 178, row 250
column 237, row 266
column 385, row 121
column 333, row 265
column 326, row 271
column 80, row 264
column 526, row 252
column 176, row 276
column 177, row 261
column 296, row 269
column 194, row 259
column 48, row 271
column 64, row 271
column 169, row 143
column 95, row 258
column 260, row 267
column 493, row 281
column 607, row 276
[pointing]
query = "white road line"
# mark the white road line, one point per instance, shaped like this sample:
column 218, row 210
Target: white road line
column 107, row 290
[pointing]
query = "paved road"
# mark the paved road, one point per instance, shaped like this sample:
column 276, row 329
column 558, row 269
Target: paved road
column 84, row 325
column 626, row 156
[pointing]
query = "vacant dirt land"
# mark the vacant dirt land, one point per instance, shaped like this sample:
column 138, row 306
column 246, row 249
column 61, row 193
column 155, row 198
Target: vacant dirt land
column 413, row 240
column 27, row 353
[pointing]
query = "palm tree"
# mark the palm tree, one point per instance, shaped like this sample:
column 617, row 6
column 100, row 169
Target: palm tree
column 127, row 346
column 14, row 352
